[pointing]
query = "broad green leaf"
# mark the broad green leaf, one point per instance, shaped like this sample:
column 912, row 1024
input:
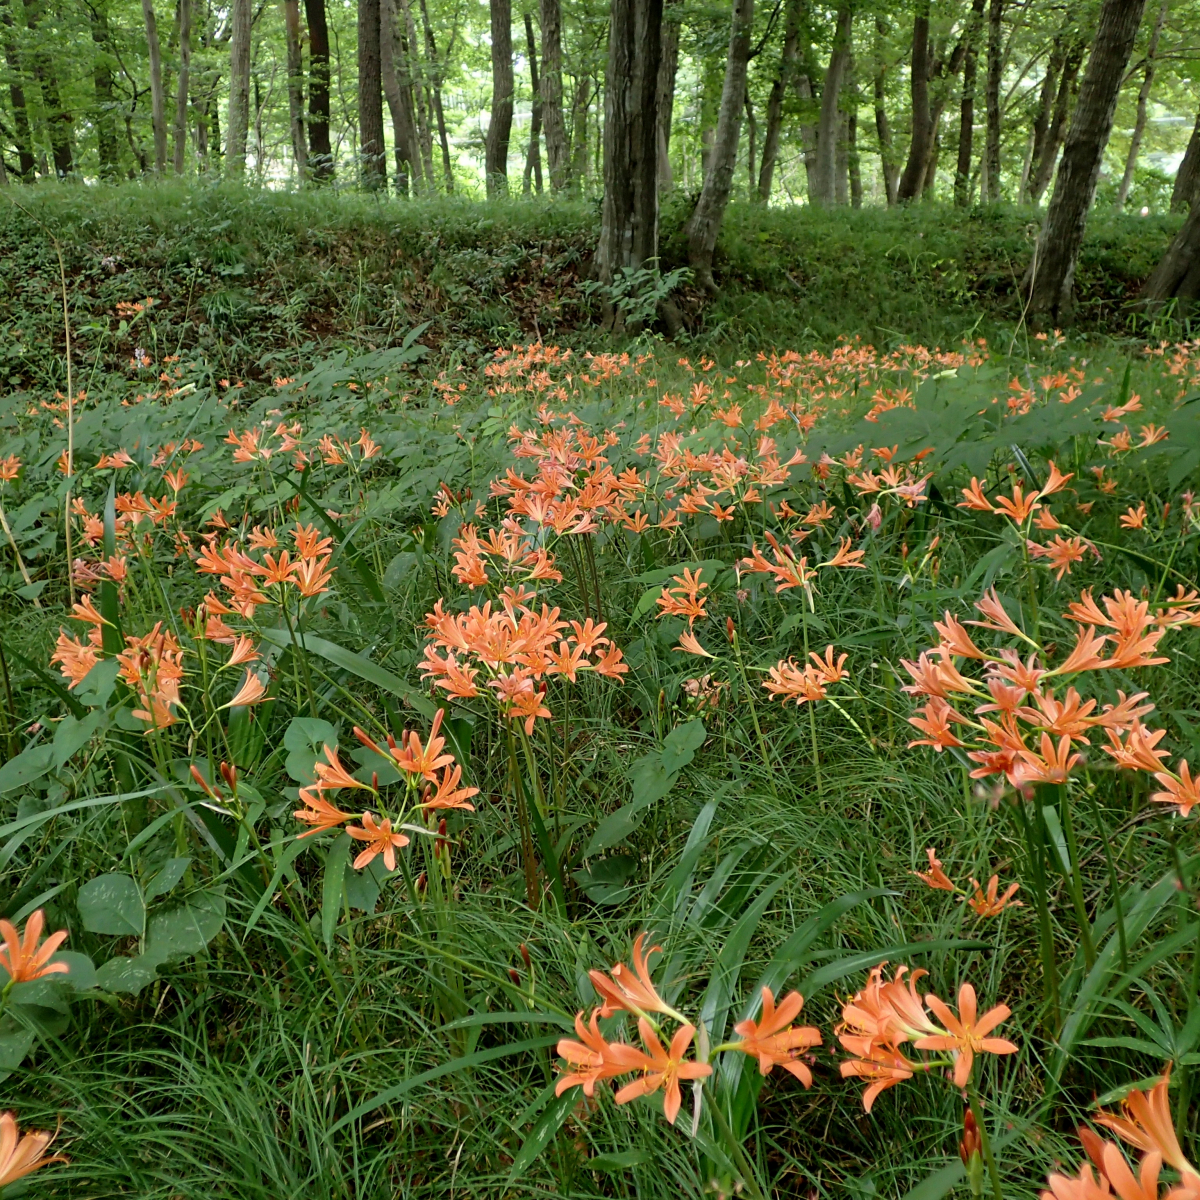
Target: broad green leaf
column 681, row 744
column 167, row 877
column 304, row 740
column 81, row 973
column 73, row 734
column 127, row 975
column 186, row 930
column 112, row 904
column 32, row 763
column 337, row 858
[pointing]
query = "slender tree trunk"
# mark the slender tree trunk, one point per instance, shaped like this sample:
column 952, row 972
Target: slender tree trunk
column 495, row 162
column 553, row 119
column 995, row 71
column 579, row 132
column 783, row 80
column 853, row 163
column 889, row 168
column 295, row 85
column 26, row 163
column 420, row 93
column 704, row 225
column 966, row 112
column 59, row 121
column 184, row 83
column 320, row 152
column 825, row 174
column 922, row 125
column 665, row 95
column 751, row 142
column 841, row 170
column 435, row 67
column 107, row 146
column 1041, row 120
column 372, row 164
column 1052, row 272
column 403, row 134
column 1068, row 83
column 808, row 131
column 238, row 125
column 532, row 178
column 1187, row 178
column 629, row 213
column 1139, row 124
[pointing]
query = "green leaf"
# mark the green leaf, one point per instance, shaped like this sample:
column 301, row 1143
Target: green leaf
column 304, row 740
column 127, row 975
column 97, row 686
column 81, row 972
column 167, row 877
column 337, row 858
column 32, row 763
column 832, row 972
column 73, row 733
column 112, row 904
column 651, row 782
column 184, row 931
column 543, row 1133
column 620, row 1160
column 681, row 744
column 14, row 1045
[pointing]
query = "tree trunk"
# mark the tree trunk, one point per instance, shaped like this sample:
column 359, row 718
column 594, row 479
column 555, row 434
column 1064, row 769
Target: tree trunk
column 408, row 167
column 1052, row 271
column 1187, row 178
column 1177, row 276
column 533, row 160
column 421, row 107
column 1041, row 120
column 435, row 67
column 59, row 121
column 751, row 142
column 1068, row 83
column 665, row 93
column 26, row 163
column 553, row 119
column 823, row 187
column 995, row 71
column 295, row 85
column 1139, row 124
column 238, row 126
column 808, row 131
column 705, row 222
column 579, row 126
column 320, row 152
column 783, row 79
column 966, row 112
column 184, row 83
column 854, row 166
column 495, row 159
column 922, row 125
column 107, row 146
column 629, row 213
column 889, row 168
column 372, row 163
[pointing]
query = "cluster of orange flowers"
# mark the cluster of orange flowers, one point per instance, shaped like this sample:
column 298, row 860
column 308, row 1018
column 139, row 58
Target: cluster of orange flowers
column 245, row 578
column 509, row 554
column 805, row 684
column 773, row 1041
column 432, row 783
column 878, row 1021
column 1021, row 729
column 263, row 444
column 985, row 904
column 516, row 649
column 1146, row 1124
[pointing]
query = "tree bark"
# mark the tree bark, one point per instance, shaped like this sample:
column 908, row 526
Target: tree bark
column 553, row 119
column 372, row 163
column 238, row 125
column 854, row 164
column 705, row 222
column 995, row 71
column 922, row 125
column 107, row 146
column 58, row 119
column 751, row 142
column 533, row 159
column 1187, row 178
column 1041, row 119
column 26, row 163
column 579, row 130
column 889, row 168
column 966, row 112
column 629, row 213
column 1052, row 271
column 1177, row 277
column 1139, row 124
column 421, row 106
column 408, row 166
column 668, row 67
column 823, row 185
column 495, row 161
column 783, row 80
column 295, row 85
column 320, row 152
column 184, row 83
column 1068, row 83
column 435, row 67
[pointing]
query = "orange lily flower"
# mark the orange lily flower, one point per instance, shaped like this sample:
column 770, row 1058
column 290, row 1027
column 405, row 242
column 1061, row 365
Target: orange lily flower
column 380, row 839
column 774, row 1040
column 883, row 1066
column 845, row 557
column 1146, row 1122
column 320, row 814
column 331, row 774
column 22, row 1155
column 631, row 991
column 691, row 644
column 449, row 794
column 23, row 958
column 989, row 904
column 1181, row 789
column 967, row 1032
column 592, row 1057
column 975, row 498
column 937, row 878
column 426, row 760
column 663, row 1068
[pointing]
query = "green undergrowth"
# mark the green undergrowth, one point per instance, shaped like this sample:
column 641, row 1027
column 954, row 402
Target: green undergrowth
column 261, row 283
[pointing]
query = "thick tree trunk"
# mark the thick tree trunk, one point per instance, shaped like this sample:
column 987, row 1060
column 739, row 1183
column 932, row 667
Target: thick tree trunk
column 495, row 160
column 533, row 160
column 665, row 93
column 372, row 163
column 1052, row 271
column 823, row 186
column 1139, row 124
column 295, row 85
column 320, row 152
column 705, row 222
column 889, row 168
column 238, row 126
column 553, row 119
column 1187, row 178
column 995, row 72
column 26, row 163
column 629, row 213
column 107, row 146
column 808, row 131
column 58, row 119
column 435, row 67
column 783, row 80
column 184, row 83
column 1177, row 277
column 408, row 166
column 1041, row 119
column 1068, row 83
column 922, row 124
